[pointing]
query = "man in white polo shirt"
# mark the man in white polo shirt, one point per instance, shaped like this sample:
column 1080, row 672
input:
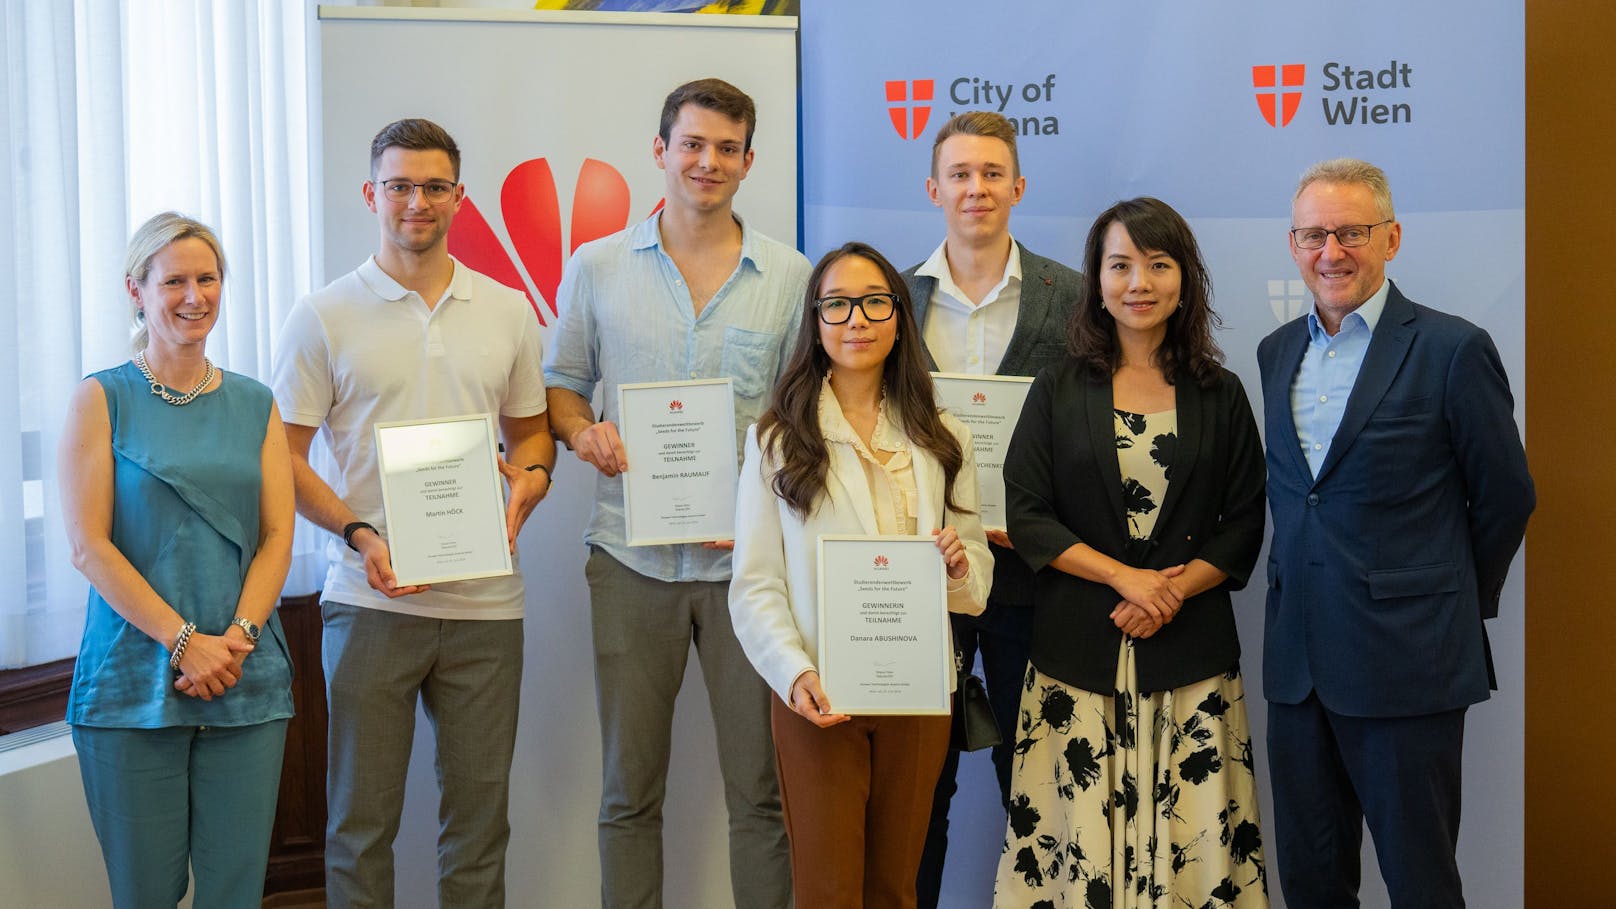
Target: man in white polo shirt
column 986, row 306
column 413, row 334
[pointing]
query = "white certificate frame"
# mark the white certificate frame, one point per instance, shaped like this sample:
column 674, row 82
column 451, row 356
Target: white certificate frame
column 467, row 499
column 661, row 489
column 855, row 682
column 955, row 393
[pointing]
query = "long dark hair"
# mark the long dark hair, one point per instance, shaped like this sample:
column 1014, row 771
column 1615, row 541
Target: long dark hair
column 789, row 430
column 1188, row 350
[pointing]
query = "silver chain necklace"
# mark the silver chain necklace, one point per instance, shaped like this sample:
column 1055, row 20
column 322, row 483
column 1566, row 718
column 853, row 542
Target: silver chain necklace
column 161, row 390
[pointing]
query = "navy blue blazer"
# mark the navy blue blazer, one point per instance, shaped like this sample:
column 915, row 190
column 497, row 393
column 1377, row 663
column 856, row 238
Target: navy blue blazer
column 1383, row 567
column 1049, row 291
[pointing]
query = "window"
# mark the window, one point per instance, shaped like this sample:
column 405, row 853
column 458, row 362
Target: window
column 111, row 112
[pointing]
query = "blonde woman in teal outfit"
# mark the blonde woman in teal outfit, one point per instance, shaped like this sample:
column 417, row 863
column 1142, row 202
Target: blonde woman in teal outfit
column 177, row 500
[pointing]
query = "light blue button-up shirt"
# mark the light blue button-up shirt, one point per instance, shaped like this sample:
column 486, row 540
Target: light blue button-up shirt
column 1329, row 368
column 627, row 316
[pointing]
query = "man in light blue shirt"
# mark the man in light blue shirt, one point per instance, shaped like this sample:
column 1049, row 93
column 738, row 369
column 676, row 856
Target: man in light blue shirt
column 1329, row 367
column 1400, row 493
column 690, row 293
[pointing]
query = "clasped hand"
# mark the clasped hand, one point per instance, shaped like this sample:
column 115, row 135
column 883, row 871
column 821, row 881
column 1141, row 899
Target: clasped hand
column 212, row 663
column 1150, row 599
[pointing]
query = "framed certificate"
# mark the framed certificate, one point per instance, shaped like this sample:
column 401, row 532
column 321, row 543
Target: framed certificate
column 680, row 441
column 883, row 625
column 990, row 406
column 444, row 498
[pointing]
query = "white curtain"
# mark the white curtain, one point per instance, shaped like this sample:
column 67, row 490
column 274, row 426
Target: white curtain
column 111, row 112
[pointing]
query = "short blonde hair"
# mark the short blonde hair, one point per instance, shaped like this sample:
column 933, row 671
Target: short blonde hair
column 977, row 123
column 153, row 237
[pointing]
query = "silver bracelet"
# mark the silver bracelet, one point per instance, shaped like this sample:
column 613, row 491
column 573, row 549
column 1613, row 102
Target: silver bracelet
column 180, row 640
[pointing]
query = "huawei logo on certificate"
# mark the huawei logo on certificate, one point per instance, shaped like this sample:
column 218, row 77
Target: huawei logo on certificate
column 880, row 561
column 979, row 398
column 676, row 406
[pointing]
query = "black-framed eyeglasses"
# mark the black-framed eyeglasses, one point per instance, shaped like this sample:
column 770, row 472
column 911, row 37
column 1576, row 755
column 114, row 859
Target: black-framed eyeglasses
column 403, row 190
column 876, row 308
column 1347, row 235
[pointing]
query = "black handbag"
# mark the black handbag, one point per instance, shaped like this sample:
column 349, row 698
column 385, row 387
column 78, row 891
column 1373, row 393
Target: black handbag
column 974, row 725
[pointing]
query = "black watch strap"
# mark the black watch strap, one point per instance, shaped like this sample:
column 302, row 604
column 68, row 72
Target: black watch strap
column 355, row 527
column 547, row 474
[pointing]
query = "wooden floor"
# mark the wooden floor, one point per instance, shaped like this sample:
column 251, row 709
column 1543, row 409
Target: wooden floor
column 297, row 899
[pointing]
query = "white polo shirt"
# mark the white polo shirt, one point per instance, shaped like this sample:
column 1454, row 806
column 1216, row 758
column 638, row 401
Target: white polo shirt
column 364, row 350
column 967, row 337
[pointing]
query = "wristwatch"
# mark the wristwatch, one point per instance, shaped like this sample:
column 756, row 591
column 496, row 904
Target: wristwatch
column 351, row 529
column 246, row 625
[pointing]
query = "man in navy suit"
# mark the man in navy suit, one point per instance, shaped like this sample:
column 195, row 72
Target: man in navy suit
column 1400, row 494
column 986, row 305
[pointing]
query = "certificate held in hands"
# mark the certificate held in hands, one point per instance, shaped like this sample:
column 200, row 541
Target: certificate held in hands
column 444, row 500
column 883, row 625
column 990, row 407
column 680, row 442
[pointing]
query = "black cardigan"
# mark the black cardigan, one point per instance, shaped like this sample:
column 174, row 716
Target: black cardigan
column 1063, row 486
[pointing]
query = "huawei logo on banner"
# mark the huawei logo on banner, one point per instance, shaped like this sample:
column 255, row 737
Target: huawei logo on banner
column 532, row 215
column 979, row 398
column 880, row 561
column 909, row 121
column 676, row 406
column 1279, row 97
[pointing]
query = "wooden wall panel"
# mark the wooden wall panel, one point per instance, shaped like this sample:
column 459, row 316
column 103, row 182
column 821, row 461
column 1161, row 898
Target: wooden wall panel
column 1571, row 443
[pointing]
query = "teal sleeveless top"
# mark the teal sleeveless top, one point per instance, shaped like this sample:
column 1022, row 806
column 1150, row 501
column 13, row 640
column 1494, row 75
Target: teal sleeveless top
column 185, row 488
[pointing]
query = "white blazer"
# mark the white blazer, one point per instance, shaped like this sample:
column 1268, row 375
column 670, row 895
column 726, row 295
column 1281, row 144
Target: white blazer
column 774, row 591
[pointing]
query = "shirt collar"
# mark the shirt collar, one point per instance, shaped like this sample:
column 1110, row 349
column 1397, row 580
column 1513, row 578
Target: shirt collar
column 1367, row 315
column 833, row 423
column 382, row 284
column 648, row 235
column 936, row 266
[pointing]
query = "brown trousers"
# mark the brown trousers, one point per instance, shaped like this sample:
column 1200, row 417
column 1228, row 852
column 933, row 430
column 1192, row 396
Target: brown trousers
column 857, row 799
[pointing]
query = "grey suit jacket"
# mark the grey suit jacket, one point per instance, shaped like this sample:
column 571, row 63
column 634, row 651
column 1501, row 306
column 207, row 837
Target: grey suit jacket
column 1049, row 292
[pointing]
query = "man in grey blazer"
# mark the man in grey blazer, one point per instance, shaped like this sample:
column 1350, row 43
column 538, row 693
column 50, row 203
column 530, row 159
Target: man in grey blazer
column 988, row 306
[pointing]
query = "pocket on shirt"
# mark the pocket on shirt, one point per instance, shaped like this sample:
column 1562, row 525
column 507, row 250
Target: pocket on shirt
column 749, row 360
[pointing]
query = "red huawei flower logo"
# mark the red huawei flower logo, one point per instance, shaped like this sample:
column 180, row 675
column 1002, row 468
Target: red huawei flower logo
column 675, row 406
column 979, row 398
column 880, row 561
column 532, row 215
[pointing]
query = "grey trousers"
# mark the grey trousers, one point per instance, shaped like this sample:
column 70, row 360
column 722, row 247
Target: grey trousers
column 468, row 676
column 643, row 629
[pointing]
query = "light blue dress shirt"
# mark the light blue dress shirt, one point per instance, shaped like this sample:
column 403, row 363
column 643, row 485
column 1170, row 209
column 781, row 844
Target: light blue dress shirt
column 1329, row 368
column 627, row 316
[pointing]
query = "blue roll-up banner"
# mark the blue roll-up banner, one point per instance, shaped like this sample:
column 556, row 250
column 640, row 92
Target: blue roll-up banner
column 1216, row 109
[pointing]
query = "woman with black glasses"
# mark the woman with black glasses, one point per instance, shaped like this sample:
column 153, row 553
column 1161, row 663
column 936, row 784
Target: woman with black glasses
column 854, row 443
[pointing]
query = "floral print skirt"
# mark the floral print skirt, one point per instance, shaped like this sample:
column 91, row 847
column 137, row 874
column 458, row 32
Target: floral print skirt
column 1132, row 800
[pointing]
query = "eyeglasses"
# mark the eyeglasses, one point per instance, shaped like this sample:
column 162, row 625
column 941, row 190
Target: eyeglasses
column 876, row 308
column 403, row 190
column 1348, row 235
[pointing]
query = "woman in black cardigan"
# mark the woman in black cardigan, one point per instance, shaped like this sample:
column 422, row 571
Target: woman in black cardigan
column 1134, row 484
